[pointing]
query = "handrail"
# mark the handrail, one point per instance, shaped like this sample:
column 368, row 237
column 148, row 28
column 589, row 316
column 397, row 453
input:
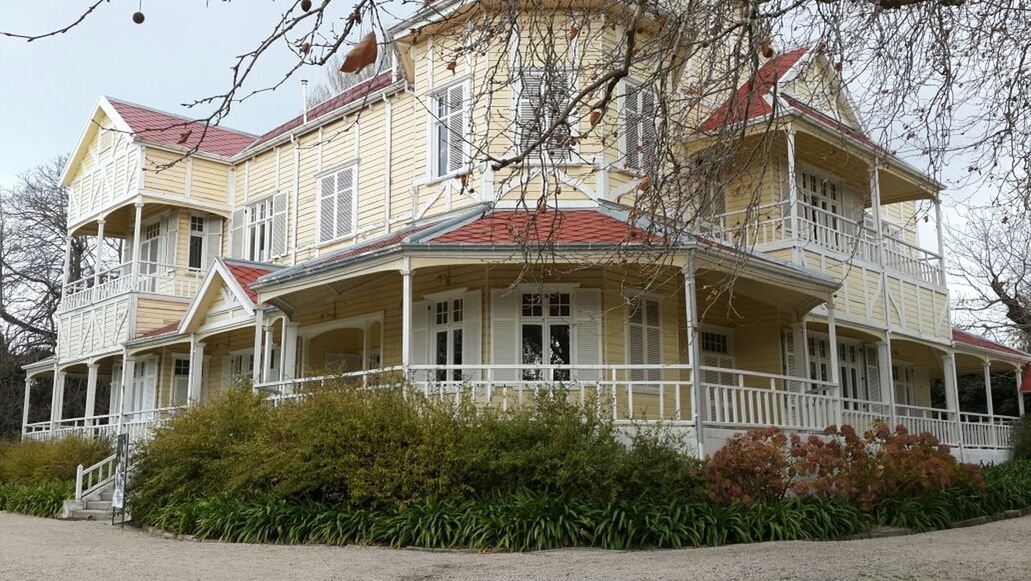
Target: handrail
column 94, row 477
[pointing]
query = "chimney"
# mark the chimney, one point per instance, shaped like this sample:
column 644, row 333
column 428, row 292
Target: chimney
column 304, row 101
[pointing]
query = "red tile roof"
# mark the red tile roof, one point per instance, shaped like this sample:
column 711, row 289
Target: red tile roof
column 245, row 274
column 168, row 129
column 167, row 329
column 328, row 106
column 750, row 100
column 549, row 227
column 966, row 338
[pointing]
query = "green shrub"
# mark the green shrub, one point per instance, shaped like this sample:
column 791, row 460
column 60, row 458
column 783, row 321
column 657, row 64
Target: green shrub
column 38, row 499
column 1022, row 438
column 346, row 445
column 30, row 461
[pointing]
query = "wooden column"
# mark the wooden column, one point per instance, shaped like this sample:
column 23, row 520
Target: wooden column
column 92, row 374
column 406, row 316
column 259, row 329
column 57, row 400
column 792, row 191
column 1018, row 373
column 98, row 257
column 137, row 233
column 952, row 397
column 25, row 405
column 694, row 354
column 193, row 386
column 832, row 339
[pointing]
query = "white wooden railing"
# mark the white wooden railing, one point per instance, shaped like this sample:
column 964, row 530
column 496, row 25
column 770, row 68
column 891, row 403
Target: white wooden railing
column 770, row 224
column 153, row 277
column 138, row 424
column 89, row 480
column 626, row 393
column 984, row 431
column 938, row 422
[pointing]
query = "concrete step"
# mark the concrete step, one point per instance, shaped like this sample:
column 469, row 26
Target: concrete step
column 106, row 495
column 90, row 514
column 98, row 505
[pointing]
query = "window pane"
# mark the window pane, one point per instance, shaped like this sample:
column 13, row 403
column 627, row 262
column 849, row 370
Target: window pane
column 196, row 251
column 442, row 313
column 456, row 355
column 440, row 356
column 558, row 342
column 533, row 350
column 442, row 148
column 558, row 304
column 457, row 312
column 532, row 306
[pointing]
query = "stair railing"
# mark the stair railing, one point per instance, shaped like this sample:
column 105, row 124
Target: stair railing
column 89, row 480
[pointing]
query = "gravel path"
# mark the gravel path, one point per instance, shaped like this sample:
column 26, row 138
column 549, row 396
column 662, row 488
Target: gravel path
column 49, row 549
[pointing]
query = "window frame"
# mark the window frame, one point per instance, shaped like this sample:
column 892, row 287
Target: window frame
column 436, row 122
column 546, row 320
column 632, row 85
column 573, row 148
column 191, row 234
column 335, row 173
column 250, row 211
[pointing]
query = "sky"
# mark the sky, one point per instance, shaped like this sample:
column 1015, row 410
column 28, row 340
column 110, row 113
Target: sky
column 182, row 52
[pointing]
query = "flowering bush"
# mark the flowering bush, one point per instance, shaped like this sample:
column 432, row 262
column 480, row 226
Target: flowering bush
column 765, row 465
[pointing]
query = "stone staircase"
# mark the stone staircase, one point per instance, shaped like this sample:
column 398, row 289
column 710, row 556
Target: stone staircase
column 96, row 506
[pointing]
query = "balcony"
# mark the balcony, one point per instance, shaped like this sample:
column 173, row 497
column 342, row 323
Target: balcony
column 771, row 226
column 151, row 277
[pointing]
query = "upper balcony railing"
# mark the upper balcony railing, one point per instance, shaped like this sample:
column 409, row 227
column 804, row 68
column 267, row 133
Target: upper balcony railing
column 152, row 277
column 770, row 224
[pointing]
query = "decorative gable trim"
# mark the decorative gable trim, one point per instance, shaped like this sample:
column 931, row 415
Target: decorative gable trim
column 231, row 288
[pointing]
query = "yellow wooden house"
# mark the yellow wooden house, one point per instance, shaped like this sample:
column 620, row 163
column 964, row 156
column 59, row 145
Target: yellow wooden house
column 369, row 238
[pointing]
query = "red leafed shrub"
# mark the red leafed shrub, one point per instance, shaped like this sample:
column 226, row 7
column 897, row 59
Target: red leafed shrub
column 765, row 465
column 751, row 467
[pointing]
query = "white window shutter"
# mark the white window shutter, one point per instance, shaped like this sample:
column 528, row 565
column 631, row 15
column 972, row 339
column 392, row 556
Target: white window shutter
column 873, row 374
column 150, row 384
column 279, row 201
column 504, row 338
column 456, row 127
column 631, row 135
column 171, row 240
column 587, row 349
column 127, row 249
column 227, row 371
column 237, row 233
column 212, row 239
column 472, row 323
column 528, row 112
column 345, row 202
column 326, row 208
column 419, row 349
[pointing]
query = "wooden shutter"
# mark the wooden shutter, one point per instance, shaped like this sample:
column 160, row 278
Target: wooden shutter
column 788, row 347
column 472, row 323
column 238, row 233
column 171, row 240
column 327, row 208
column 505, row 336
column 212, row 240
column 420, row 346
column 587, row 322
column 873, row 373
column 345, row 202
column 631, row 135
column 150, row 383
column 529, row 108
column 647, row 128
column 116, row 388
column 456, row 127
column 279, row 201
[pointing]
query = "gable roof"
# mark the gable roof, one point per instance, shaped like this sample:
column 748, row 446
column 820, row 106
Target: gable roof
column 169, row 129
column 238, row 276
column 549, row 227
column 966, row 338
column 750, row 101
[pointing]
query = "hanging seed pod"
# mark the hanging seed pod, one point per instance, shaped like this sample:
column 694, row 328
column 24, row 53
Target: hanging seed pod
column 306, row 5
column 574, row 31
column 305, row 47
column 451, row 66
column 595, row 117
column 645, row 183
column 184, row 136
column 766, row 45
column 138, row 17
column 362, row 55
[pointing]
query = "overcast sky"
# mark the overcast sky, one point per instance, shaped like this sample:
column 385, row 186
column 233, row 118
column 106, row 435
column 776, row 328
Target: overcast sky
column 182, row 52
